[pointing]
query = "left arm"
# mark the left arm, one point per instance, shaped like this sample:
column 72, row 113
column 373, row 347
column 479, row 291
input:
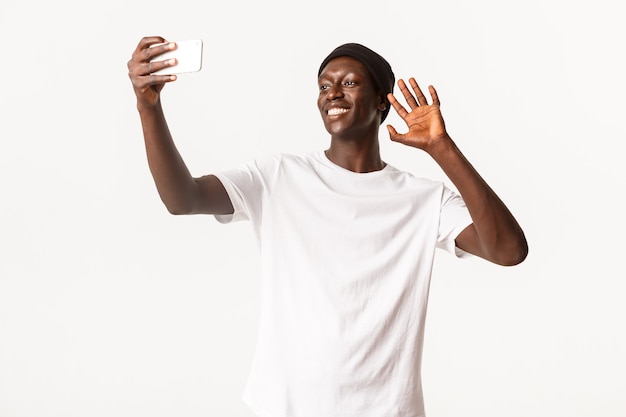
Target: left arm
column 494, row 235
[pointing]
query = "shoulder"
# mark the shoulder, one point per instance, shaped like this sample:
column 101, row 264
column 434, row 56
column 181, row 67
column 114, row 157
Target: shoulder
column 288, row 161
column 411, row 181
column 270, row 167
column 288, row 158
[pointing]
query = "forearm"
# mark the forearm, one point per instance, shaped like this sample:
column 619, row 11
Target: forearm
column 173, row 180
column 500, row 239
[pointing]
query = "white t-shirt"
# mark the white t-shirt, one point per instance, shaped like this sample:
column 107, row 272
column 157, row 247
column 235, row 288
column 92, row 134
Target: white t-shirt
column 346, row 265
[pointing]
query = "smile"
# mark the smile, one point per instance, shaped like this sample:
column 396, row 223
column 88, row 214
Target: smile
column 336, row 110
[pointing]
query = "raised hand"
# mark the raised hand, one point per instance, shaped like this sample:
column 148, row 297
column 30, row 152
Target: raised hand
column 424, row 121
column 140, row 69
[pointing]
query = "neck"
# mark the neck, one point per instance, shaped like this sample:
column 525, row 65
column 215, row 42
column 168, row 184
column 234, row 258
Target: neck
column 356, row 156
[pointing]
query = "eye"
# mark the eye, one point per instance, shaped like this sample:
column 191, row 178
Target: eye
column 324, row 87
column 349, row 83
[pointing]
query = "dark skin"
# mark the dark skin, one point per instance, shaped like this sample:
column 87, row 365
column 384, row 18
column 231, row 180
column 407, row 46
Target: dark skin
column 494, row 235
column 345, row 87
column 351, row 110
column 180, row 192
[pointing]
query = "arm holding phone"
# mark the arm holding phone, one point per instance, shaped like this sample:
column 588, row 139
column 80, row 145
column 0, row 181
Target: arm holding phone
column 179, row 190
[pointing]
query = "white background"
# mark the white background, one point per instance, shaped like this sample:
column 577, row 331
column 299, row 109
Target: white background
column 109, row 306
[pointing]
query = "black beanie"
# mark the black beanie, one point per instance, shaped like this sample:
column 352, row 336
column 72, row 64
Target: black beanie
column 378, row 67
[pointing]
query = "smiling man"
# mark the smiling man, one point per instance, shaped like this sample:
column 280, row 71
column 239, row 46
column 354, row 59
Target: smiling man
column 347, row 240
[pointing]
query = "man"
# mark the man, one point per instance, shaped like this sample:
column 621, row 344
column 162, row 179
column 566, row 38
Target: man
column 347, row 241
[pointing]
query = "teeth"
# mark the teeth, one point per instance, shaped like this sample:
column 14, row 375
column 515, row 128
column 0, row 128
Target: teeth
column 335, row 111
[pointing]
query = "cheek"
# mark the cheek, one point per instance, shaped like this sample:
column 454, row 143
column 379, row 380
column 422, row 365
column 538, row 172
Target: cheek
column 320, row 101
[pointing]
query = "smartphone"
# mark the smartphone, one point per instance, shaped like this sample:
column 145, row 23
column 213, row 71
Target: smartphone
column 188, row 56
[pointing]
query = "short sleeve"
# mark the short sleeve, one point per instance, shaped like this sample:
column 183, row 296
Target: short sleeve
column 454, row 218
column 248, row 186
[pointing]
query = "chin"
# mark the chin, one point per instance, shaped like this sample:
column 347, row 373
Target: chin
column 336, row 131
column 336, row 127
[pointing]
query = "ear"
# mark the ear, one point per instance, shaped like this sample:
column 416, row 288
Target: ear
column 382, row 105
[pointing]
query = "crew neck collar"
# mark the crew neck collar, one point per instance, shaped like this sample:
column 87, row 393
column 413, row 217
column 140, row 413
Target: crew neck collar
column 328, row 162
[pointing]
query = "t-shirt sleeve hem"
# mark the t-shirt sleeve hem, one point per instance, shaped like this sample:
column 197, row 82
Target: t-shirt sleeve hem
column 237, row 214
column 449, row 245
column 458, row 252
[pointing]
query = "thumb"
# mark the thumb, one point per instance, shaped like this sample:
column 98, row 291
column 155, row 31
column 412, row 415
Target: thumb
column 393, row 134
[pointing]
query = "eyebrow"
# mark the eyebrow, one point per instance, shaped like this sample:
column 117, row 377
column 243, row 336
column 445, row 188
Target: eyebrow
column 350, row 73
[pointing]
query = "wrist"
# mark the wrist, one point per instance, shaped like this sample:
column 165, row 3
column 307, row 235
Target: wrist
column 440, row 147
column 148, row 108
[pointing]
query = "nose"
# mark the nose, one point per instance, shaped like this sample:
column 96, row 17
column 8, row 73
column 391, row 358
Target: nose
column 334, row 92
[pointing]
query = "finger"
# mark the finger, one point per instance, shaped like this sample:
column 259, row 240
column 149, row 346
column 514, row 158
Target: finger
column 141, row 82
column 147, row 42
column 160, row 79
column 154, row 50
column 433, row 94
column 394, row 135
column 421, row 99
column 408, row 96
column 136, row 71
column 397, row 106
column 154, row 66
column 149, row 47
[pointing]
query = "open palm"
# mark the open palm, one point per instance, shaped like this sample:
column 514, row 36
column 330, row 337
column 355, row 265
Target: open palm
column 424, row 121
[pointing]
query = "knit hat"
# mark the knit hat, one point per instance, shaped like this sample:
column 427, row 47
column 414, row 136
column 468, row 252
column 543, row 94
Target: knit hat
column 377, row 66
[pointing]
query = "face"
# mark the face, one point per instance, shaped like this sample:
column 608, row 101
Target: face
column 348, row 101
